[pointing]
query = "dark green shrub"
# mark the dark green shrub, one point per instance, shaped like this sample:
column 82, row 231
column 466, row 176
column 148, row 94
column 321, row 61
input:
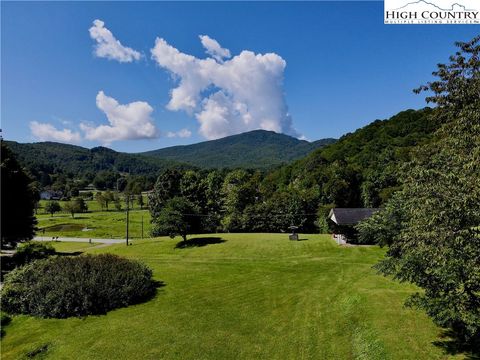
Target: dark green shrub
column 4, row 321
column 61, row 287
column 25, row 253
column 32, row 251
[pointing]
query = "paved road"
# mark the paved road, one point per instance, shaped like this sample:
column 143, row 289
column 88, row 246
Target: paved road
column 72, row 239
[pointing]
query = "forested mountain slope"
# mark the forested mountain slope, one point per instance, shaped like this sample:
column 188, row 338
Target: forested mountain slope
column 362, row 168
column 258, row 149
column 53, row 163
column 54, row 157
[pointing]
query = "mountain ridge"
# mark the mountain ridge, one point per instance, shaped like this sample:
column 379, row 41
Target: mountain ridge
column 260, row 147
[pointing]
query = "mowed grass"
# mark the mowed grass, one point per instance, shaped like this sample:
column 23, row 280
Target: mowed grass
column 70, row 247
column 93, row 205
column 252, row 296
column 100, row 224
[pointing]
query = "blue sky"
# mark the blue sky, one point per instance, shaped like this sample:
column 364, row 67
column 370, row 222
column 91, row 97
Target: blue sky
column 342, row 68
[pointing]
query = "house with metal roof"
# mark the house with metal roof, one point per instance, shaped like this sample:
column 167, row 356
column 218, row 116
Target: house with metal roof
column 345, row 220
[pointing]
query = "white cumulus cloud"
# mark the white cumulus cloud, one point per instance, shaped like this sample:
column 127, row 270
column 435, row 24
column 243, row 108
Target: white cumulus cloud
column 183, row 133
column 48, row 132
column 214, row 49
column 227, row 96
column 127, row 122
column 108, row 46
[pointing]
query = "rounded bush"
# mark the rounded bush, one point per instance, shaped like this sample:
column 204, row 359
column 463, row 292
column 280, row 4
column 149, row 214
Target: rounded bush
column 61, row 287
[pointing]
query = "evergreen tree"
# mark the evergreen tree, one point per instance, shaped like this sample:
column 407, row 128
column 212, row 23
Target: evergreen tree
column 18, row 200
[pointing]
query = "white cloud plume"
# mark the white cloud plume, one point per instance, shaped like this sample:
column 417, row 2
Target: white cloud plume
column 108, row 46
column 240, row 94
column 214, row 49
column 127, row 122
column 48, row 132
column 183, row 133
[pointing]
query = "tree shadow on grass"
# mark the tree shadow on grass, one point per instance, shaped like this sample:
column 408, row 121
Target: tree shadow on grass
column 452, row 344
column 197, row 242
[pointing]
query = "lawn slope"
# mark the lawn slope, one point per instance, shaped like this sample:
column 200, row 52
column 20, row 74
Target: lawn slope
column 244, row 296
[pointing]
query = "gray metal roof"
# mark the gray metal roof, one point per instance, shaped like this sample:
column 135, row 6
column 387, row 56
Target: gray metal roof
column 350, row 216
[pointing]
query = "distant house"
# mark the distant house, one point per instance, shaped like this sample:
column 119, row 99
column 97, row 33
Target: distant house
column 345, row 220
column 51, row 195
column 90, row 187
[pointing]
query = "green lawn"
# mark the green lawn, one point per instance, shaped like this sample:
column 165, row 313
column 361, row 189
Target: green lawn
column 70, row 247
column 93, row 205
column 253, row 296
column 101, row 224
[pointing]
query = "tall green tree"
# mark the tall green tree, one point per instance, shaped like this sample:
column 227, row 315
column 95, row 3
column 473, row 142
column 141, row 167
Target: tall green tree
column 135, row 185
column 237, row 193
column 52, row 207
column 108, row 197
column 177, row 217
column 382, row 227
column 192, row 188
column 212, row 184
column 71, row 208
column 140, row 201
column 76, row 206
column 166, row 187
column 18, row 200
column 99, row 198
column 436, row 244
column 121, row 184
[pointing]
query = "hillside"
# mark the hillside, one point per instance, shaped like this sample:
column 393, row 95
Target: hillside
column 362, row 168
column 254, row 149
column 53, row 158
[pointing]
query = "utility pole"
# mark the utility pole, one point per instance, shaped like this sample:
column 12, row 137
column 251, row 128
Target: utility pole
column 127, row 197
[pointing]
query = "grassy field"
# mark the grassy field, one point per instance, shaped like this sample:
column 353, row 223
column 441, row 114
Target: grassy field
column 70, row 247
column 243, row 296
column 93, row 205
column 100, row 224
